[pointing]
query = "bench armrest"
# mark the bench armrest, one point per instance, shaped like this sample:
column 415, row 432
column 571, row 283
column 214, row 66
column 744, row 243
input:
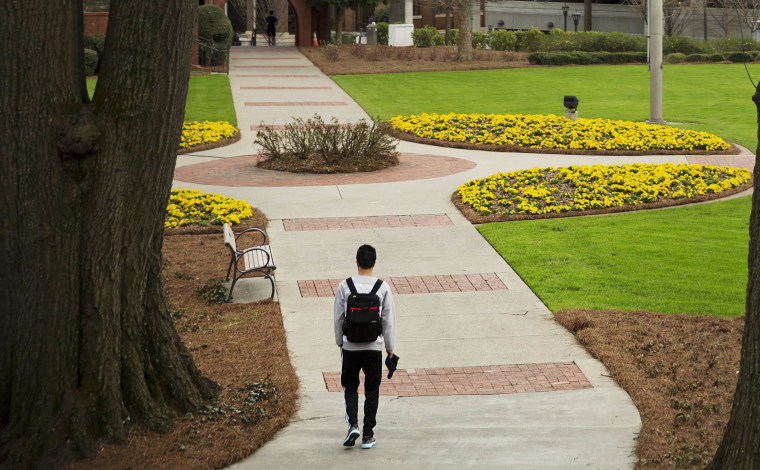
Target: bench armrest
column 263, row 235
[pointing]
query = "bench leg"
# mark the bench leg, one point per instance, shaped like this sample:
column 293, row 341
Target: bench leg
column 234, row 281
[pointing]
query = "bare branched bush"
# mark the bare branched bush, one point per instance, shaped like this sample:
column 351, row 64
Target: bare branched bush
column 335, row 145
column 331, row 51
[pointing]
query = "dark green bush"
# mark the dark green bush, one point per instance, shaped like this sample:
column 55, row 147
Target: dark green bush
column 733, row 44
column 381, row 15
column 684, row 45
column 215, row 32
column 697, row 58
column 739, row 56
column 427, row 36
column 675, row 58
column 95, row 42
column 455, row 36
column 382, row 33
column 530, row 40
column 716, row 57
column 479, row 40
column 90, row 62
column 585, row 58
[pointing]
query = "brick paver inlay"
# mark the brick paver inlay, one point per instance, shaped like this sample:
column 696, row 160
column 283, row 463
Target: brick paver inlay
column 243, row 172
column 285, row 88
column 296, row 103
column 736, row 161
column 383, row 221
column 477, row 380
column 280, row 76
column 472, row 282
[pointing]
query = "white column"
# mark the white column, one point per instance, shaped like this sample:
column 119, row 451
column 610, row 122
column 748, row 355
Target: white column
column 655, row 62
column 408, row 12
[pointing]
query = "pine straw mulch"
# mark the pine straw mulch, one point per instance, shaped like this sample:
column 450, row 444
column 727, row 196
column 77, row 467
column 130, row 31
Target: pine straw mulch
column 316, row 164
column 679, row 370
column 354, row 59
column 240, row 346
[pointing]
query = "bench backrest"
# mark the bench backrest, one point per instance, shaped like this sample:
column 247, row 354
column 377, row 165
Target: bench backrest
column 229, row 237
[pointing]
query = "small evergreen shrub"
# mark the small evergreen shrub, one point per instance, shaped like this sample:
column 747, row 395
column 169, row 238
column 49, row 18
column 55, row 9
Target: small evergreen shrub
column 382, row 33
column 381, row 15
column 530, row 40
column 733, row 44
column 675, row 58
column 502, row 40
column 95, row 42
column 215, row 32
column 585, row 58
column 697, row 58
column 427, row 36
column 90, row 62
column 455, row 36
column 716, row 57
column 683, row 44
column 739, row 56
column 479, row 40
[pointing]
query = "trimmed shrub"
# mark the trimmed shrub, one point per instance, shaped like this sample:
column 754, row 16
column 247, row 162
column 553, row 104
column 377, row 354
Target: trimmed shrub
column 739, row 57
column 455, row 36
column 716, row 57
column 733, row 44
column 697, row 58
column 427, row 36
column 95, row 42
column 215, row 32
column 90, row 62
column 502, row 40
column 479, row 40
column 381, row 15
column 531, row 40
column 683, row 44
column 586, row 58
column 675, row 58
column 382, row 33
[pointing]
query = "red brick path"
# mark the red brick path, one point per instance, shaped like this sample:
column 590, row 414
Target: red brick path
column 296, row 103
column 413, row 284
column 279, row 76
column 385, row 221
column 736, row 161
column 285, row 88
column 478, row 380
column 243, row 172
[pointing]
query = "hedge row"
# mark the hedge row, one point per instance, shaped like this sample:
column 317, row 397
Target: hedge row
column 735, row 56
column 586, row 58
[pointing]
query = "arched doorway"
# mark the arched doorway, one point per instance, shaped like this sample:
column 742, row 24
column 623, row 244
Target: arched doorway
column 296, row 17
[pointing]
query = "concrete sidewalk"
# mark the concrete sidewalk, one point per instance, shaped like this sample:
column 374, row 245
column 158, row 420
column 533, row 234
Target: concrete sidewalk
column 474, row 341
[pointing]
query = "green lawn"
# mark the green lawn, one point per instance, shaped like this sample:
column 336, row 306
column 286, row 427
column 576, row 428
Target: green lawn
column 715, row 98
column 209, row 98
column 691, row 259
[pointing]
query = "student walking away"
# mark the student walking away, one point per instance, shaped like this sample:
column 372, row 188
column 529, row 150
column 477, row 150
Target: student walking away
column 365, row 318
column 271, row 23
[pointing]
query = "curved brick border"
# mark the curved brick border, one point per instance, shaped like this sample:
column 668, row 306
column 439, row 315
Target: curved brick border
column 242, row 171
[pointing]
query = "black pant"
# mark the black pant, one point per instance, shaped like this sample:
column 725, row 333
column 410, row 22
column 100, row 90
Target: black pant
column 371, row 362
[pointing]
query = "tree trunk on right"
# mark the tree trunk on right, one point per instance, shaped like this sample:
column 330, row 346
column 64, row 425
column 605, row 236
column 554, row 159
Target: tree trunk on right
column 463, row 11
column 740, row 447
column 587, row 15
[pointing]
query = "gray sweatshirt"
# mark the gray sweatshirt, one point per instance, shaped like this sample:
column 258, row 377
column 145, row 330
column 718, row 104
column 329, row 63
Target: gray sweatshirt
column 364, row 285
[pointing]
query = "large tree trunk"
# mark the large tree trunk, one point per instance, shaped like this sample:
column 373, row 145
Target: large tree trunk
column 587, row 13
column 463, row 12
column 340, row 18
column 86, row 343
column 740, row 447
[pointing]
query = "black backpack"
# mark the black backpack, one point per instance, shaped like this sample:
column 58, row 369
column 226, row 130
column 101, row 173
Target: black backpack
column 362, row 321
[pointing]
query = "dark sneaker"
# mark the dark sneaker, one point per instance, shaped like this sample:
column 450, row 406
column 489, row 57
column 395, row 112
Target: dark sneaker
column 368, row 442
column 351, row 437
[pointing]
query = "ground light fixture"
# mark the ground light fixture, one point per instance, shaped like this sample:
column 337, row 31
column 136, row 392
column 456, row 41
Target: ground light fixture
column 571, row 107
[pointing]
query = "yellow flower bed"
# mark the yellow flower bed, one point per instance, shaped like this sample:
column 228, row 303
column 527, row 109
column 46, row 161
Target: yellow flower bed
column 191, row 207
column 206, row 132
column 554, row 132
column 578, row 188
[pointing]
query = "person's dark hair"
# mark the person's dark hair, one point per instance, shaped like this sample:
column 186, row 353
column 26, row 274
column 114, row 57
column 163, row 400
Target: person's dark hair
column 366, row 256
column 271, row 12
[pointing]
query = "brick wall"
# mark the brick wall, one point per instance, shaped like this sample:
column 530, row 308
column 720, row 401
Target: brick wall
column 95, row 22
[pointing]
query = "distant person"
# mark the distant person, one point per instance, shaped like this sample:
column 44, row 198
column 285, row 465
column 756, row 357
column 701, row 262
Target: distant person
column 374, row 325
column 271, row 30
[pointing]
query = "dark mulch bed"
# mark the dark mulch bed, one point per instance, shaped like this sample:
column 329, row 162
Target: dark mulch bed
column 317, row 164
column 236, row 345
column 679, row 370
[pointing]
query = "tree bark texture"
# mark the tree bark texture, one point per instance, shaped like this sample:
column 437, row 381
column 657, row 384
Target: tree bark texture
column 587, row 15
column 340, row 17
column 740, row 447
column 86, row 343
column 464, row 11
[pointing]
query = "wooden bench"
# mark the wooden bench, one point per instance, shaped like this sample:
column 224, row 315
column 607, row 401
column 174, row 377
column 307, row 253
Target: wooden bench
column 256, row 259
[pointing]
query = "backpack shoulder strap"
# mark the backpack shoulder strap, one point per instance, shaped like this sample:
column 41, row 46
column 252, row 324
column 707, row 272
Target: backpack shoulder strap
column 376, row 287
column 351, row 287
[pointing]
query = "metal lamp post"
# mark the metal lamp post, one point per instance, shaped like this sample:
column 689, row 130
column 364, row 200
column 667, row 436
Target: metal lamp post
column 565, row 9
column 576, row 19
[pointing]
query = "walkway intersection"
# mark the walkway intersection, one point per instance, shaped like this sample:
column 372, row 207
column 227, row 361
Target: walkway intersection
column 488, row 379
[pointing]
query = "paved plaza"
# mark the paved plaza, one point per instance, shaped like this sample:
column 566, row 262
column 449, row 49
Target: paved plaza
column 488, row 379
